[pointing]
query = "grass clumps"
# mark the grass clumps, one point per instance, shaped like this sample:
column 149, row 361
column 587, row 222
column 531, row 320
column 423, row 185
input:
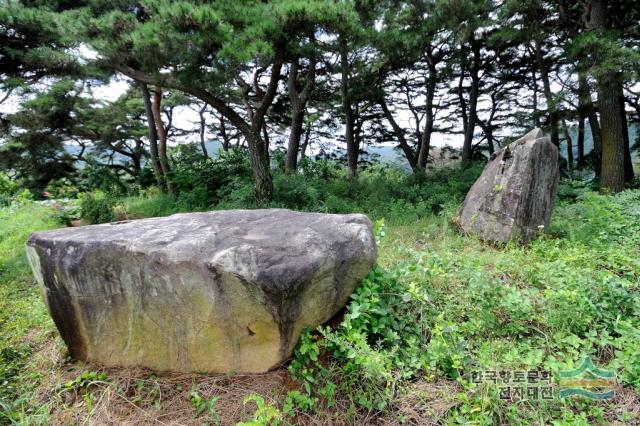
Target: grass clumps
column 438, row 307
column 455, row 306
column 25, row 325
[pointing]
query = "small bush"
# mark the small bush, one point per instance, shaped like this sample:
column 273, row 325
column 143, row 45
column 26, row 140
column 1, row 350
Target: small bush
column 97, row 207
column 225, row 182
column 62, row 188
column 203, row 182
column 8, row 188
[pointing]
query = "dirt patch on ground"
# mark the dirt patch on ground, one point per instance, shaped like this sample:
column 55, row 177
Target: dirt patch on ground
column 625, row 402
column 135, row 396
column 423, row 403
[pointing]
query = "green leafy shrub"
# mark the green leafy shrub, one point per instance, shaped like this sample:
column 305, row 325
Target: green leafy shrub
column 453, row 305
column 201, row 405
column 97, row 207
column 64, row 210
column 62, row 188
column 378, row 344
column 84, row 381
column 204, row 181
column 7, row 189
column 266, row 414
column 95, row 176
column 226, row 183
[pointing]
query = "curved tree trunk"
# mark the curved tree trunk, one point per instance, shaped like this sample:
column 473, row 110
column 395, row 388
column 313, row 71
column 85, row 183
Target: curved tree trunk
column 298, row 107
column 250, row 130
column 469, row 129
column 226, row 140
column 551, row 107
column 397, row 130
column 487, row 129
column 153, row 137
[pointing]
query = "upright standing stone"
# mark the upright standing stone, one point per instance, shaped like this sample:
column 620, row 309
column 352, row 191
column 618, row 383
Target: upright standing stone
column 224, row 291
column 513, row 198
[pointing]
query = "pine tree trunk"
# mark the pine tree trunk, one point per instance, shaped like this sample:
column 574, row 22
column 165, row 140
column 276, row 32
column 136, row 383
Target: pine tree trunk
column 629, row 175
column 162, row 140
column 611, row 131
column 487, row 128
column 305, row 144
column 136, row 158
column 153, row 137
column 349, row 135
column 567, row 136
column 225, row 136
column 298, row 106
column 399, row 133
column 612, row 171
column 596, row 135
column 293, row 147
column 544, row 74
column 467, row 147
column 203, row 145
column 584, row 98
column 258, row 148
column 266, row 144
column 425, row 139
column 490, row 139
column 352, row 150
column 536, row 113
column 297, row 117
column 580, row 158
column 261, row 168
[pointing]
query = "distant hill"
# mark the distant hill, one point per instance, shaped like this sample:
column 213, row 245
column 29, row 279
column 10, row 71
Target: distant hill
column 388, row 154
column 634, row 130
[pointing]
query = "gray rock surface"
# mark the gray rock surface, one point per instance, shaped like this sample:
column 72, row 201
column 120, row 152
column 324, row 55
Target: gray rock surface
column 223, row 291
column 513, row 198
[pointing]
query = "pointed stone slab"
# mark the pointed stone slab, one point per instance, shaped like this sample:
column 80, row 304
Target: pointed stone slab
column 513, row 198
column 223, row 291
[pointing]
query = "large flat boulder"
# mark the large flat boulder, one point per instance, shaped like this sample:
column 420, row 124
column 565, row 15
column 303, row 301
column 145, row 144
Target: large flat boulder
column 513, row 198
column 223, row 291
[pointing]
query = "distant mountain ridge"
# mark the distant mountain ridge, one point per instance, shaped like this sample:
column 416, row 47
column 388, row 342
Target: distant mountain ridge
column 388, row 154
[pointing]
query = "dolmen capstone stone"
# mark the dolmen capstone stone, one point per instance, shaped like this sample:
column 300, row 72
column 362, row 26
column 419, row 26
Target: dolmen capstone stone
column 513, row 197
column 224, row 291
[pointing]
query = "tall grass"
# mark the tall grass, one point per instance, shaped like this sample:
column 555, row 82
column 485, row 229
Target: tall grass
column 24, row 321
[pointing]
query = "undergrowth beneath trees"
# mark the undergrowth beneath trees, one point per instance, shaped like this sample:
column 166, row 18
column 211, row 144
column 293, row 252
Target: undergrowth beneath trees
column 437, row 307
